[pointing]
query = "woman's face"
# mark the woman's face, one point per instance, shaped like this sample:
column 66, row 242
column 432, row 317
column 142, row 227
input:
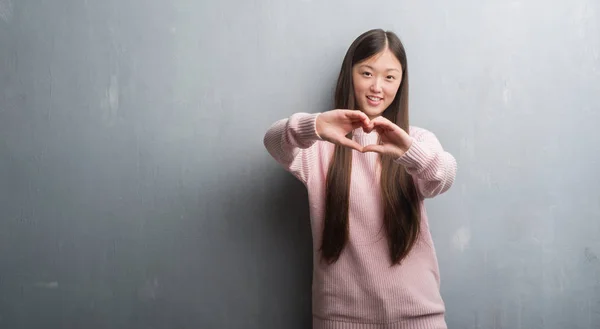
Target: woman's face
column 376, row 81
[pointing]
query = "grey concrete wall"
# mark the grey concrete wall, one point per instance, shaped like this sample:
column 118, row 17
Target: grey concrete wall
column 135, row 191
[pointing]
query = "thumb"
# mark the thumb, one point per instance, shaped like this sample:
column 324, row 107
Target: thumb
column 351, row 144
column 373, row 148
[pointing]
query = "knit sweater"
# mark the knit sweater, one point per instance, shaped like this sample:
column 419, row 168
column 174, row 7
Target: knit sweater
column 362, row 290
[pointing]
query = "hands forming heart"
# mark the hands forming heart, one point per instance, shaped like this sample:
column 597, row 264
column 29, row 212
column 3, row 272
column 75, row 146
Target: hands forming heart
column 333, row 126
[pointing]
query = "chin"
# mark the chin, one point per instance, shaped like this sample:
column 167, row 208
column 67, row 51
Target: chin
column 372, row 112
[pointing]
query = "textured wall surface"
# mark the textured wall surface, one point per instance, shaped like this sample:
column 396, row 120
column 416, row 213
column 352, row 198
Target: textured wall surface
column 135, row 191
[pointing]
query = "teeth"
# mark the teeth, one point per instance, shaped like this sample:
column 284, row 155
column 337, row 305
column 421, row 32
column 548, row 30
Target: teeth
column 374, row 98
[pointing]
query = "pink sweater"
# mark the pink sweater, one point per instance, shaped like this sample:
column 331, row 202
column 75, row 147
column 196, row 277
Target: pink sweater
column 361, row 290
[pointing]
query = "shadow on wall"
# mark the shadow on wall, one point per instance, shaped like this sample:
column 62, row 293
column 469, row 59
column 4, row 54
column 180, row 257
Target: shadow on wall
column 287, row 223
column 243, row 262
column 273, row 231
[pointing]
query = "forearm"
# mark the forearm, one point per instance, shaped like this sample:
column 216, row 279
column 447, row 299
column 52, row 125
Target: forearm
column 288, row 140
column 433, row 168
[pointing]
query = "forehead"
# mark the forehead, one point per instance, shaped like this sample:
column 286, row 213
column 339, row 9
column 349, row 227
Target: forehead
column 384, row 60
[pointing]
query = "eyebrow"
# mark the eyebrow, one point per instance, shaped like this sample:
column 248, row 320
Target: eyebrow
column 390, row 69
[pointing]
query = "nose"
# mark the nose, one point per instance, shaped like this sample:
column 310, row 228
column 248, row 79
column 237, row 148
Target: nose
column 376, row 86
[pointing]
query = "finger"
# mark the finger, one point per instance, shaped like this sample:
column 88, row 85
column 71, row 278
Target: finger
column 372, row 127
column 369, row 127
column 381, row 129
column 359, row 120
column 373, row 148
column 356, row 115
column 382, row 119
column 357, row 124
column 383, row 123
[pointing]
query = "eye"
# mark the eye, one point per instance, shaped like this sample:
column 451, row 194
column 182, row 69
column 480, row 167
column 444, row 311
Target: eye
column 391, row 77
column 367, row 74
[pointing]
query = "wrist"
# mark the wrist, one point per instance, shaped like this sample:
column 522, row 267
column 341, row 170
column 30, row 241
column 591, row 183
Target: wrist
column 401, row 150
column 318, row 125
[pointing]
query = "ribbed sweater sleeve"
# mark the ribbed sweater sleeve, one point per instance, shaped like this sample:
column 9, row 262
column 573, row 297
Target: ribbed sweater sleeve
column 289, row 141
column 433, row 167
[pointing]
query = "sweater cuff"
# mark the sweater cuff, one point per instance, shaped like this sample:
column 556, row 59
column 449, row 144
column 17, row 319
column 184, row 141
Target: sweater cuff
column 307, row 127
column 415, row 157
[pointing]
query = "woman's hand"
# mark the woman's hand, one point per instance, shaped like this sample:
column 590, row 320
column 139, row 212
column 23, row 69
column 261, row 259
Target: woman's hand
column 394, row 140
column 333, row 126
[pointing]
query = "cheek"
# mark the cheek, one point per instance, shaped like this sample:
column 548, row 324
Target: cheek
column 391, row 91
column 360, row 87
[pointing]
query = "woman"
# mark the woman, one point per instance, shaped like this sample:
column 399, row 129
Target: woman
column 367, row 173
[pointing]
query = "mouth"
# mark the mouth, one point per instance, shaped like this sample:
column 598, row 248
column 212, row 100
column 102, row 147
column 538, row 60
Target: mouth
column 374, row 100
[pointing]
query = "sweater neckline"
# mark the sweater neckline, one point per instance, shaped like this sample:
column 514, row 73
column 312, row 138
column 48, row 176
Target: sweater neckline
column 361, row 132
column 363, row 137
